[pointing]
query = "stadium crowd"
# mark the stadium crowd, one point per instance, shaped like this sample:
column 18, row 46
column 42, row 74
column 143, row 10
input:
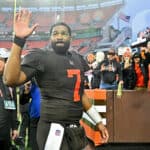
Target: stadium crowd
column 130, row 67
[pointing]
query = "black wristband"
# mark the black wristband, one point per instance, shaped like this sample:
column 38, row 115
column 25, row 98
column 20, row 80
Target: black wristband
column 19, row 41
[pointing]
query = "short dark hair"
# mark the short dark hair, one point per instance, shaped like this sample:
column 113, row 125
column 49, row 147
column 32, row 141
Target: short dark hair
column 58, row 24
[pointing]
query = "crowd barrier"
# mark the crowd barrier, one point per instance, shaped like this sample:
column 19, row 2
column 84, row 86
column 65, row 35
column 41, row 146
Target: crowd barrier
column 127, row 118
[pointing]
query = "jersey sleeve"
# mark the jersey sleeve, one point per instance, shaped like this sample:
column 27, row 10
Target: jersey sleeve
column 31, row 64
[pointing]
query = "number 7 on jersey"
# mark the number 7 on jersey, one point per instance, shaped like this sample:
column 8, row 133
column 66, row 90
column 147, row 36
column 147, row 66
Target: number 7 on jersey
column 71, row 73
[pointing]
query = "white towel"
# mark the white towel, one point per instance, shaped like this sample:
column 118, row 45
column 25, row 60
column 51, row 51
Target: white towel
column 55, row 137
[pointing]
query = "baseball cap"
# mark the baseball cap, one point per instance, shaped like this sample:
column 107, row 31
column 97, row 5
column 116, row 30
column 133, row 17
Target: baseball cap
column 137, row 55
column 4, row 53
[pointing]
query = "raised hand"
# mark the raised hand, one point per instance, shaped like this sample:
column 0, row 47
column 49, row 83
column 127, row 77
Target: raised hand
column 22, row 22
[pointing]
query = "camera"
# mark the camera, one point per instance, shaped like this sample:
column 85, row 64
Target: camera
column 141, row 43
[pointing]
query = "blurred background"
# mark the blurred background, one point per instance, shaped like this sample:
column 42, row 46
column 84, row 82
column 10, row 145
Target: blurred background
column 97, row 24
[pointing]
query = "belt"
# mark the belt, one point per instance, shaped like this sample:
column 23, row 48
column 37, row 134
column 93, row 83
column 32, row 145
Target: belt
column 72, row 125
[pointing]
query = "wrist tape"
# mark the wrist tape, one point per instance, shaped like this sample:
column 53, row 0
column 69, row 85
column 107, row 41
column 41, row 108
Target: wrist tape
column 94, row 115
column 19, row 41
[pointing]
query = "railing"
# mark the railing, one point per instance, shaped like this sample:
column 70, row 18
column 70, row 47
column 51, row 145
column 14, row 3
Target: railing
column 127, row 118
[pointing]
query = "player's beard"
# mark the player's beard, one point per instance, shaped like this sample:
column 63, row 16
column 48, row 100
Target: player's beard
column 61, row 49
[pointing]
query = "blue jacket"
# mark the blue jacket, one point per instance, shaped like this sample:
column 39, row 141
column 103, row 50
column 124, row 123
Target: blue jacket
column 34, row 108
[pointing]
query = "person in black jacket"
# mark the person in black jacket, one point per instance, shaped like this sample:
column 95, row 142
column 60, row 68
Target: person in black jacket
column 24, row 99
column 141, row 73
column 8, row 113
column 128, row 72
column 110, row 71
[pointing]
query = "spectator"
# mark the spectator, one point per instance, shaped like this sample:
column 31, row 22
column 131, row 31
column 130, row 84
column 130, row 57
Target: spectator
column 110, row 71
column 57, row 71
column 8, row 111
column 147, row 60
column 140, row 72
column 100, row 56
column 30, row 97
column 147, row 54
column 89, row 76
column 128, row 73
column 90, row 59
column 24, row 111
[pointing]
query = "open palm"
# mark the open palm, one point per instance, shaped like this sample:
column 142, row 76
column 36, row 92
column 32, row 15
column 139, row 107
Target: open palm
column 21, row 24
